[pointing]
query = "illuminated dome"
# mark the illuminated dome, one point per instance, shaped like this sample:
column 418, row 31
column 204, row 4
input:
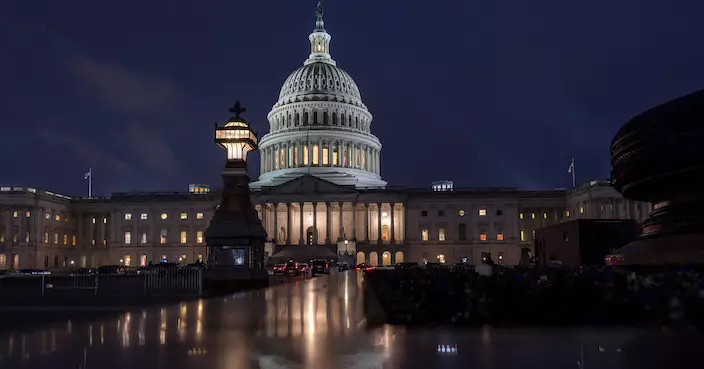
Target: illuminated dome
column 319, row 81
column 320, row 126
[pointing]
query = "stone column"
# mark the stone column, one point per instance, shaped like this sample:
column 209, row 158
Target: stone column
column 393, row 234
column 354, row 221
column 328, row 221
column 101, row 230
column 287, row 155
column 276, row 223
column 340, row 235
column 300, row 240
column 378, row 223
column 366, row 223
column 320, row 153
column 315, row 222
column 8, row 226
column 299, row 145
column 79, row 235
column 22, row 219
column 329, row 153
column 289, row 221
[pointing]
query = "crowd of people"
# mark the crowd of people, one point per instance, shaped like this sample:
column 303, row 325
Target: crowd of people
column 464, row 295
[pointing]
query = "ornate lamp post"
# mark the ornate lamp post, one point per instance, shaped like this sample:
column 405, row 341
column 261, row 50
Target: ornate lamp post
column 235, row 237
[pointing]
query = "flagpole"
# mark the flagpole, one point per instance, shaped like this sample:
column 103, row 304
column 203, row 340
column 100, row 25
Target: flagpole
column 574, row 178
column 90, row 183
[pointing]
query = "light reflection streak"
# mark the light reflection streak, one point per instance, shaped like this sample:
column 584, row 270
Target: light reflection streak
column 90, row 335
column 102, row 334
column 142, row 324
column 126, row 330
column 296, row 317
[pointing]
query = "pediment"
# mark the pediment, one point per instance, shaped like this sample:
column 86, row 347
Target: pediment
column 309, row 184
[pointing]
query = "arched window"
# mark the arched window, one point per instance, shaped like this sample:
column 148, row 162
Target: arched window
column 399, row 257
column 349, row 120
column 386, row 258
column 342, row 119
column 325, row 117
column 373, row 258
column 297, row 119
column 315, row 117
column 334, row 118
column 462, row 230
column 361, row 259
column 384, row 232
column 305, row 118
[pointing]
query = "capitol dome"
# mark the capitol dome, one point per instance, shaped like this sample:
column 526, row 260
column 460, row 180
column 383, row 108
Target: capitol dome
column 320, row 81
column 319, row 126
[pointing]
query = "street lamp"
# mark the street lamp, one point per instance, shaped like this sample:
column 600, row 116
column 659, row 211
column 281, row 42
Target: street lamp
column 346, row 242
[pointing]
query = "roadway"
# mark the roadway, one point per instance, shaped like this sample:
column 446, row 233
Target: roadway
column 313, row 323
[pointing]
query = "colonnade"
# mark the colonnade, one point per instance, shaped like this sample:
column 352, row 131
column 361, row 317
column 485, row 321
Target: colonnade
column 319, row 223
column 320, row 153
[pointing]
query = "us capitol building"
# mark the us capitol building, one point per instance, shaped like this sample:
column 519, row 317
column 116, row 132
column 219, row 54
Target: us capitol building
column 320, row 194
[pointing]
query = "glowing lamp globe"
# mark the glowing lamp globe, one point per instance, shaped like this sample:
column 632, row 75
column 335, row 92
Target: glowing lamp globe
column 236, row 137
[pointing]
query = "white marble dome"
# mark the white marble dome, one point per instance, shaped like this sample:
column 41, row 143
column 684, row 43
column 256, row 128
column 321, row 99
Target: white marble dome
column 319, row 126
column 319, row 81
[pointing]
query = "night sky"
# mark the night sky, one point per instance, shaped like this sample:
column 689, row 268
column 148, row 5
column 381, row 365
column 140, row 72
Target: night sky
column 485, row 93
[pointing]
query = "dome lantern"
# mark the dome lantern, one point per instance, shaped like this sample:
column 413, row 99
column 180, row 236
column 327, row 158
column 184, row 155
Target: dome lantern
column 319, row 40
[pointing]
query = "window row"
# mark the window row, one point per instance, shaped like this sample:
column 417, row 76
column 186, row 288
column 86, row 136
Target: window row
column 127, row 260
column 282, row 121
column 462, row 234
column 164, row 216
column 482, row 213
column 163, row 237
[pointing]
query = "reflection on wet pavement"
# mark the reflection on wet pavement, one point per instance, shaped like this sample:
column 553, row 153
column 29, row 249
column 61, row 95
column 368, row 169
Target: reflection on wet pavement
column 317, row 323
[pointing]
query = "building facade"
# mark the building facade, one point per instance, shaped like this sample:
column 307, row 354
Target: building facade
column 320, row 188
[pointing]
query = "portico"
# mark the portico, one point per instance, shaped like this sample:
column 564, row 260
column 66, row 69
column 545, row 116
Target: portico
column 312, row 211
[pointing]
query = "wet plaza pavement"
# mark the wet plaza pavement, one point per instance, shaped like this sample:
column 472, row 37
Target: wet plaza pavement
column 318, row 323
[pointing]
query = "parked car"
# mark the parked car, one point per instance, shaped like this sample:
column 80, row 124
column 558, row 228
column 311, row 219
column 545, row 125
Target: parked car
column 341, row 267
column 305, row 268
column 292, row 269
column 279, row 268
column 320, row 267
column 83, row 271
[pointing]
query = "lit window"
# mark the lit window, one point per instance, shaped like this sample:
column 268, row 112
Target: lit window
column 14, row 214
column 567, row 213
column 461, row 213
column 28, row 214
column 128, row 260
column 581, row 209
column 199, row 237
column 65, row 219
column 520, row 215
column 93, row 220
column 143, row 239
column 57, row 217
column 184, row 216
column 128, row 238
column 65, row 239
column 200, row 257
column 523, row 235
column 128, row 216
column 499, row 236
column 143, row 260
column 482, row 236
column 47, row 216
column 482, row 212
column 105, row 220
column 163, row 258
column 162, row 236
column 56, row 238
column 143, row 216
column 325, row 156
column 73, row 240
column 532, row 215
column 545, row 215
column 441, row 234
column 46, row 237
column 199, row 215
column 164, row 216
column 26, row 236
column 501, row 257
column 424, row 234
column 184, row 236
column 533, row 234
